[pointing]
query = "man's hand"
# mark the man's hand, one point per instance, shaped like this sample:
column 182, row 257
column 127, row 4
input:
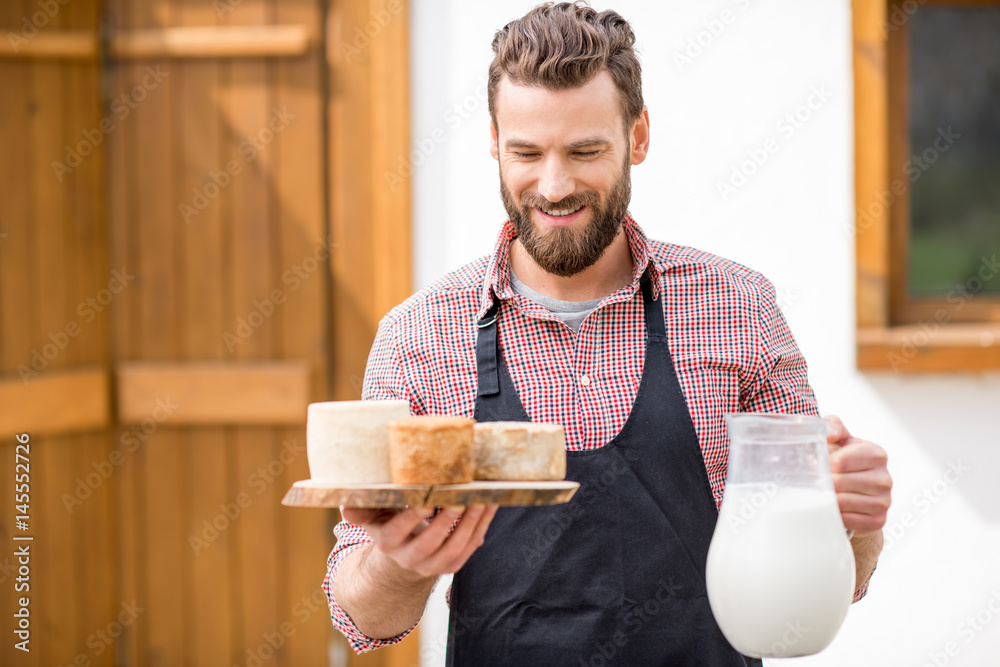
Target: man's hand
column 860, row 478
column 425, row 550
column 384, row 586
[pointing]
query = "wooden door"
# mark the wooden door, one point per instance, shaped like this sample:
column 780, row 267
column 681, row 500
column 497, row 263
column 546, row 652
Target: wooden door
column 182, row 268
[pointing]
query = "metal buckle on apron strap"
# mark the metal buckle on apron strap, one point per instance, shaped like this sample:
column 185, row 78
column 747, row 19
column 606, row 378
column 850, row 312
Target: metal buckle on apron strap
column 483, row 325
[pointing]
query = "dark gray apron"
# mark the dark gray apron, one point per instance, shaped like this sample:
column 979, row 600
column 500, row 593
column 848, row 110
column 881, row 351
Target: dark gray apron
column 617, row 575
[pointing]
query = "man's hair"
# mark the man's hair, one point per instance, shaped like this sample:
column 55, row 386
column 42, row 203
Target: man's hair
column 565, row 45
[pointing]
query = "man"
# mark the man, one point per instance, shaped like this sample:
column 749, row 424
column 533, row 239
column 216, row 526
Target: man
column 637, row 347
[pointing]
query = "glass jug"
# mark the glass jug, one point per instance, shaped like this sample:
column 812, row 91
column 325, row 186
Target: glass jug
column 780, row 569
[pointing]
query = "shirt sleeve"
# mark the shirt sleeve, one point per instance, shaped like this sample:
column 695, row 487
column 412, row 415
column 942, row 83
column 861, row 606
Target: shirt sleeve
column 385, row 375
column 779, row 381
column 863, row 591
column 349, row 538
column 384, row 380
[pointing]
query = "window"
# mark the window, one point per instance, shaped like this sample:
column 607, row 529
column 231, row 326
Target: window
column 927, row 184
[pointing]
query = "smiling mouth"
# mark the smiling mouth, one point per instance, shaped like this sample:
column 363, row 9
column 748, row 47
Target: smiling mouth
column 562, row 212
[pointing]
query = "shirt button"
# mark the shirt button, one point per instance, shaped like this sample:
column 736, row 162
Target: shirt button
column 585, row 380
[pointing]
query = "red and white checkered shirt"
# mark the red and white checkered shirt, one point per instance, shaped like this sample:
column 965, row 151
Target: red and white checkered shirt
column 730, row 344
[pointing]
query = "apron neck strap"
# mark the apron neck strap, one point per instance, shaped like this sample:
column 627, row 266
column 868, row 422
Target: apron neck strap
column 654, row 310
column 487, row 351
column 488, row 339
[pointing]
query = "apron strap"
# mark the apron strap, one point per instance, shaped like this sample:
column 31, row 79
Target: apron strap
column 653, row 308
column 487, row 351
column 488, row 340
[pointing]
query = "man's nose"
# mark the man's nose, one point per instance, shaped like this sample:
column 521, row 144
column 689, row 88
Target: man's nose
column 555, row 182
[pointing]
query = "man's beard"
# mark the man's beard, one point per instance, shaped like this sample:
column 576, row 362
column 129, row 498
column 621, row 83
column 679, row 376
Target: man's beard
column 566, row 251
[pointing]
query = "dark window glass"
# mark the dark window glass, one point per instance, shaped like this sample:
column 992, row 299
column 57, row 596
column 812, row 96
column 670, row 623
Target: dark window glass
column 954, row 169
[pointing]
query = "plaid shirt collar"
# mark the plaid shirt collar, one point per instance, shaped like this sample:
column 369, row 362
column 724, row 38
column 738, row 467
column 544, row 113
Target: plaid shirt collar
column 497, row 281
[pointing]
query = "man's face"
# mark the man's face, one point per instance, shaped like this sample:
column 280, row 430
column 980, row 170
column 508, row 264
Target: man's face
column 565, row 165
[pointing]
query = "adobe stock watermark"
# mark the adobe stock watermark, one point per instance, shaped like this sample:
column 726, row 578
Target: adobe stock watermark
column 704, row 39
column 130, row 441
column 785, row 129
column 957, row 297
column 362, row 38
column 750, row 505
column 559, row 522
column 272, row 642
column 794, row 631
column 294, row 278
column 121, row 108
column 248, row 149
column 225, row 7
column 970, row 627
column 424, row 148
column 59, row 340
column 787, row 298
column 634, row 620
column 752, row 502
column 102, row 639
column 914, row 168
column 923, row 502
column 899, row 15
column 257, row 481
column 47, row 10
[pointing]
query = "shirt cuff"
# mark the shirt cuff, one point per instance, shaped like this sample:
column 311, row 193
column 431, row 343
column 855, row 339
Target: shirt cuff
column 863, row 591
column 360, row 642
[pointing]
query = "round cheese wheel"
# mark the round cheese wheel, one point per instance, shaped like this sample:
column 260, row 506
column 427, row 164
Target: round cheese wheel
column 347, row 441
column 520, row 451
column 431, row 450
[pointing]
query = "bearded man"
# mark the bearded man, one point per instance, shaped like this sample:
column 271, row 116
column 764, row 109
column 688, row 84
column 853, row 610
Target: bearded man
column 637, row 347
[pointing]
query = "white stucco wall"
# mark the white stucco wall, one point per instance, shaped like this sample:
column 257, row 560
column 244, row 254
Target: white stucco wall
column 792, row 221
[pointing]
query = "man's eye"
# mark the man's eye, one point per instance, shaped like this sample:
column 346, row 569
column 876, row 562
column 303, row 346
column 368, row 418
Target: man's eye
column 586, row 153
column 525, row 155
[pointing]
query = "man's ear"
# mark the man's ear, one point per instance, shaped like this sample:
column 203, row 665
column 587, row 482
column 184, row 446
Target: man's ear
column 494, row 142
column 639, row 137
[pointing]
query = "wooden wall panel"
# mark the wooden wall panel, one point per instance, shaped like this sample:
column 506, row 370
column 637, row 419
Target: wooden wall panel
column 369, row 218
column 160, row 493
column 93, row 528
column 131, row 491
column 266, row 229
column 351, row 193
column 246, row 101
column 15, row 304
column 197, row 121
column 53, row 587
column 51, row 259
column 305, row 538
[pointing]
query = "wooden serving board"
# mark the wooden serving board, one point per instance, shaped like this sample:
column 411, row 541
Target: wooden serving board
column 307, row 493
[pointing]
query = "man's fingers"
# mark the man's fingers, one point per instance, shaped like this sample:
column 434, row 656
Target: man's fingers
column 868, row 482
column 434, row 549
column 475, row 541
column 857, row 503
column 857, row 455
column 395, row 532
column 837, row 430
column 458, row 542
column 414, row 552
column 863, row 523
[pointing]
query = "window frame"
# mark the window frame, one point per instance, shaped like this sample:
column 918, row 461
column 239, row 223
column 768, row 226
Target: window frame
column 894, row 330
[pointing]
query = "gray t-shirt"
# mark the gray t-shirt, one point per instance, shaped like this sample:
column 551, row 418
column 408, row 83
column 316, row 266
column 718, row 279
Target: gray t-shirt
column 572, row 313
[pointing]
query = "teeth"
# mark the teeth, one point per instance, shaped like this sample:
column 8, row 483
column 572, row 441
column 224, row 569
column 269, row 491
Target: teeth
column 560, row 213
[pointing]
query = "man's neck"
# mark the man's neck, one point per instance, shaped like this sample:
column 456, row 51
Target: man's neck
column 608, row 274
